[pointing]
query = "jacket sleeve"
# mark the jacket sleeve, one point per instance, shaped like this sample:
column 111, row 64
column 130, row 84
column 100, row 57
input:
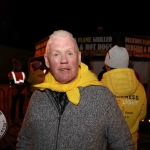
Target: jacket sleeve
column 144, row 106
column 24, row 136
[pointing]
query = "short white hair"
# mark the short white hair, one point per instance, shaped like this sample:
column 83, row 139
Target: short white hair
column 63, row 34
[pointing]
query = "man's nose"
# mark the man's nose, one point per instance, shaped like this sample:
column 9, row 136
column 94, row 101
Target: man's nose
column 64, row 58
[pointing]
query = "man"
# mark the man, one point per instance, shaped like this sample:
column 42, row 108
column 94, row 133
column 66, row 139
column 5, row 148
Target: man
column 36, row 76
column 72, row 111
column 18, row 89
column 129, row 92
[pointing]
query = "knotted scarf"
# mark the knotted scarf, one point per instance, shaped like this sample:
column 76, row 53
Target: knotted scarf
column 85, row 78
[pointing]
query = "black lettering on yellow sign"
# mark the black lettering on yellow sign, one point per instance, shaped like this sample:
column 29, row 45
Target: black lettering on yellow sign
column 128, row 112
column 133, row 97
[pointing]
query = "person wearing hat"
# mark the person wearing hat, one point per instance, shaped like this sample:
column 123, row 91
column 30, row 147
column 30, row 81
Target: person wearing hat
column 129, row 92
column 37, row 76
column 18, row 89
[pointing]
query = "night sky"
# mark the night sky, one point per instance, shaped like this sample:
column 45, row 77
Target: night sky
column 25, row 22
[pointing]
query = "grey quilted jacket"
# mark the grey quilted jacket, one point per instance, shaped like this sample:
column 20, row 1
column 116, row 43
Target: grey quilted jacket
column 90, row 125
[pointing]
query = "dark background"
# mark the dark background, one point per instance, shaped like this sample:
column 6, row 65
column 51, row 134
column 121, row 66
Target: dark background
column 25, row 22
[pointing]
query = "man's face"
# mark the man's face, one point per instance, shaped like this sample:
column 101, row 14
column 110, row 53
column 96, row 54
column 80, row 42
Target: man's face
column 63, row 60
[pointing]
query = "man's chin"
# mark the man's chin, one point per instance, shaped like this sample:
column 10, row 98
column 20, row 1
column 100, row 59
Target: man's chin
column 66, row 81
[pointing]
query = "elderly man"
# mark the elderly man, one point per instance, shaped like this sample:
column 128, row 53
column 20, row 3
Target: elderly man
column 71, row 110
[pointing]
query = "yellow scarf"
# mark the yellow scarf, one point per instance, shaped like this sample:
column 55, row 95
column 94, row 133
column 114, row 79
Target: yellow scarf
column 85, row 78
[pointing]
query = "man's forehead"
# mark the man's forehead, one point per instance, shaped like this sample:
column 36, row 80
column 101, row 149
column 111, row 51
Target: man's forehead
column 61, row 42
column 58, row 40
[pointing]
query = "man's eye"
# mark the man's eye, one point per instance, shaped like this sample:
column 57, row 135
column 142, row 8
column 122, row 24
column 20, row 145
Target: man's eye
column 55, row 54
column 70, row 53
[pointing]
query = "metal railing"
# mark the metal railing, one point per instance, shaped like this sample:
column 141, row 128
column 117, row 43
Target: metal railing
column 3, row 101
column 10, row 136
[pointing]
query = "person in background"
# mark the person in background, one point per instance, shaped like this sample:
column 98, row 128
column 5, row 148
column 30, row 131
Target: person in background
column 129, row 92
column 36, row 76
column 18, row 89
column 100, row 75
column 71, row 110
column 44, row 68
column 86, row 60
column 131, row 65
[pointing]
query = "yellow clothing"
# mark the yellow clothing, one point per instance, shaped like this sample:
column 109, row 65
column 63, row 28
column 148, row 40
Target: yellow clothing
column 130, row 95
column 85, row 78
column 36, row 77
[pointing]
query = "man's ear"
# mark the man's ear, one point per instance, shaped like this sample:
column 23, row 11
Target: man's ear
column 46, row 61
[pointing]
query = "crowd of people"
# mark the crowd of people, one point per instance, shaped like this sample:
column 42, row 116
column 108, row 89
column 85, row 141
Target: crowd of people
column 21, row 85
column 71, row 107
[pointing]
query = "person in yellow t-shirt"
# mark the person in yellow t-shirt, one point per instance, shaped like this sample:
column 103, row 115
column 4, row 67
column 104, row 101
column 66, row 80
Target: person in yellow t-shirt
column 35, row 77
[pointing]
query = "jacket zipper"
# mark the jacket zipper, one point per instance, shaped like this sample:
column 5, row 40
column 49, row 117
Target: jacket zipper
column 59, row 117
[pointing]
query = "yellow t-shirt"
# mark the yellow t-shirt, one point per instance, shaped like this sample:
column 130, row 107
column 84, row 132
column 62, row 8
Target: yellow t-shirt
column 36, row 77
